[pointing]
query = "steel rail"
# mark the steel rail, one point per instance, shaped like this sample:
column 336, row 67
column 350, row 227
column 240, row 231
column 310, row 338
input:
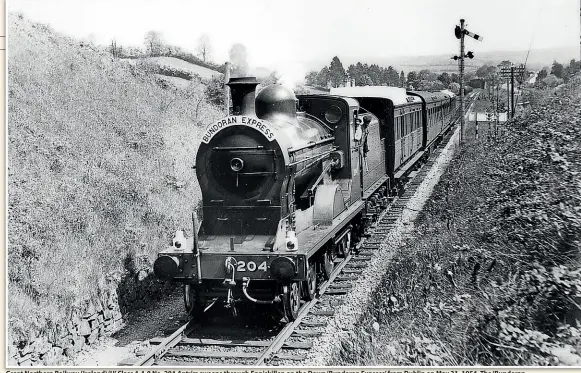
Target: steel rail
column 164, row 346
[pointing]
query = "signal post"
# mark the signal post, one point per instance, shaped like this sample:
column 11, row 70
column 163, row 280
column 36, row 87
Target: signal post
column 460, row 31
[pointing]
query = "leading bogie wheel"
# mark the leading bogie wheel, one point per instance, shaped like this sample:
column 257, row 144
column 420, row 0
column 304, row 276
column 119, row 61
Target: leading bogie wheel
column 292, row 301
column 193, row 302
column 310, row 288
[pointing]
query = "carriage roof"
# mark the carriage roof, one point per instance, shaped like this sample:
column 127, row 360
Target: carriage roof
column 397, row 95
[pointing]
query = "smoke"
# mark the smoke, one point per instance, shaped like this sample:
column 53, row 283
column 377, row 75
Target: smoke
column 286, row 72
column 291, row 74
column 239, row 60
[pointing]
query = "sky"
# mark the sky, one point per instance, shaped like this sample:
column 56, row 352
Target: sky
column 287, row 35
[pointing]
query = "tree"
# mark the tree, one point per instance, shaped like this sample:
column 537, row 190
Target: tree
column 374, row 73
column 402, row 79
column 468, row 76
column 323, row 77
column 311, row 78
column 429, row 85
column 392, row 77
column 454, row 87
column 412, row 77
column 359, row 71
column 238, row 58
column 505, row 63
column 485, row 71
column 215, row 91
column 455, row 78
column 366, row 80
column 445, row 78
column 574, row 67
column 427, row 75
column 154, row 43
column 541, row 76
column 204, row 47
column 171, row 50
column 352, row 73
column 273, row 78
column 114, row 49
column 552, row 80
column 557, row 69
column 336, row 72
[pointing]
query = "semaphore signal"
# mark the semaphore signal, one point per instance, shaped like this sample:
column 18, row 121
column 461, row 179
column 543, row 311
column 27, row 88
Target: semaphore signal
column 460, row 31
column 473, row 35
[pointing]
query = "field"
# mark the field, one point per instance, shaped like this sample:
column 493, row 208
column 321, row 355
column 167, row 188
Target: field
column 179, row 71
column 99, row 172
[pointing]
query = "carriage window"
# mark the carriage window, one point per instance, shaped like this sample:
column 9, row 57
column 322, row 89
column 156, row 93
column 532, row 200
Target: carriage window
column 399, row 127
column 418, row 117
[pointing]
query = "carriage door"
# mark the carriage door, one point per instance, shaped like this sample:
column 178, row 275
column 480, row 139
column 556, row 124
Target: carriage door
column 412, row 132
column 401, row 125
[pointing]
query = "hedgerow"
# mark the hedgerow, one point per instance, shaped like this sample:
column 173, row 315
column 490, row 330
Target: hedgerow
column 491, row 275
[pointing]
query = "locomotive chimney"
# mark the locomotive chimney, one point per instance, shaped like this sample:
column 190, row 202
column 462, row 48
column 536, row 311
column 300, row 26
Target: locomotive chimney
column 243, row 94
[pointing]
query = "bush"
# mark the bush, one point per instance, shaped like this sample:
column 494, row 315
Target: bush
column 215, row 91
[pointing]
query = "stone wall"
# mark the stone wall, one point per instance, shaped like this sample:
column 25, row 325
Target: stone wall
column 98, row 317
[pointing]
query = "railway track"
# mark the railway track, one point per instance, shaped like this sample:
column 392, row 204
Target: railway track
column 216, row 345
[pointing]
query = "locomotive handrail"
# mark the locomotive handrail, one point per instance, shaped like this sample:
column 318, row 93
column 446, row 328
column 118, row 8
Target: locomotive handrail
column 320, row 155
column 258, row 147
column 307, row 115
column 258, row 173
column 312, row 144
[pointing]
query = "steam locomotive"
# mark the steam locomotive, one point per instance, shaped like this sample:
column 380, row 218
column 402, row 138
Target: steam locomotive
column 289, row 185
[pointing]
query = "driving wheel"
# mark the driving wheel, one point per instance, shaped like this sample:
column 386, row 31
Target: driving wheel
column 292, row 301
column 328, row 263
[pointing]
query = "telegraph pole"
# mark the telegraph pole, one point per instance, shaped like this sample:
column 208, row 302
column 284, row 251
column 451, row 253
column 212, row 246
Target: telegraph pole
column 460, row 31
column 497, row 104
column 508, row 74
column 508, row 105
column 512, row 90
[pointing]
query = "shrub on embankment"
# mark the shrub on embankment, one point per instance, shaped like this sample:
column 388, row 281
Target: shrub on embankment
column 99, row 175
column 491, row 274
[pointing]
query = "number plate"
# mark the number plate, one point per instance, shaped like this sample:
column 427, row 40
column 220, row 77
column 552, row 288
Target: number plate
column 250, row 266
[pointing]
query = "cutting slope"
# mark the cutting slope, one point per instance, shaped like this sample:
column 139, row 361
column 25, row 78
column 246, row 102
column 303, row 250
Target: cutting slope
column 99, row 171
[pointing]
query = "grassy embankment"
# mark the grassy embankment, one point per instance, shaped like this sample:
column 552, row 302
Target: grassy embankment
column 99, row 171
column 491, row 274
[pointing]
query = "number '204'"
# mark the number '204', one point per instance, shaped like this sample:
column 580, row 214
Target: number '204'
column 250, row 266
